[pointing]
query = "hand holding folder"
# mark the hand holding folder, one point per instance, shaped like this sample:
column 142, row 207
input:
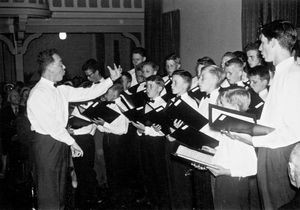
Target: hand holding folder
column 182, row 111
column 99, row 110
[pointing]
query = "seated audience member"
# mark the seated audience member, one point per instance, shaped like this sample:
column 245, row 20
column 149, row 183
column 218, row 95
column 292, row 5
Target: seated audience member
column 8, row 116
column 115, row 143
column 93, row 71
column 294, row 174
column 201, row 62
column 234, row 69
column 234, row 161
column 254, row 57
column 210, row 79
column 138, row 57
column 24, row 94
column 153, row 148
column 226, row 57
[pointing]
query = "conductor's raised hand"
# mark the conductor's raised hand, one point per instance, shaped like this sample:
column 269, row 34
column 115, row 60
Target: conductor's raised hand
column 76, row 150
column 115, row 73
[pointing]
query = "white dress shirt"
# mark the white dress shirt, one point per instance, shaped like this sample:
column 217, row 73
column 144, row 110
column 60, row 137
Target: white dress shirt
column 141, row 87
column 263, row 94
column 190, row 101
column 119, row 126
column 282, row 107
column 47, row 106
column 204, row 103
column 133, row 76
column 158, row 101
column 238, row 157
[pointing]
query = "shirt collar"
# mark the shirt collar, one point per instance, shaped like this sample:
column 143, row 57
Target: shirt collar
column 263, row 94
column 284, row 63
column 46, row 82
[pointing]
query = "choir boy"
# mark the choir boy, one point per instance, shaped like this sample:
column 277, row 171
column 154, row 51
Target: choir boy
column 114, row 143
column 233, row 161
column 234, row 69
column 153, row 148
column 254, row 57
column 180, row 182
column 172, row 63
column 209, row 82
column 259, row 79
column 201, row 63
column 138, row 56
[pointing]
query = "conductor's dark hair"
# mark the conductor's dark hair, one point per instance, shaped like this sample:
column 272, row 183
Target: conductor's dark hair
column 157, row 80
column 127, row 75
column 185, row 75
column 234, row 61
column 261, row 71
column 44, row 59
column 139, row 50
column 93, row 65
column 283, row 31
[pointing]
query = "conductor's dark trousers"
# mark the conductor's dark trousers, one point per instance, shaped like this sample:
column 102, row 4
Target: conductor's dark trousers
column 50, row 169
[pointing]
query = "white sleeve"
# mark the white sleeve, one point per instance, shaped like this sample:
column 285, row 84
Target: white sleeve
column 119, row 126
column 84, row 94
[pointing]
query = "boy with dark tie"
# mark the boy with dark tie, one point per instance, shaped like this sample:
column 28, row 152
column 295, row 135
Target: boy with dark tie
column 153, row 147
column 259, row 79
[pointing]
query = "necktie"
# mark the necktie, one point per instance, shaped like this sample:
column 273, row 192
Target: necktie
column 206, row 96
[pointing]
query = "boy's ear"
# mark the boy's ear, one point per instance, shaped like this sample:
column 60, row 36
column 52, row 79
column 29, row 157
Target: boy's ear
column 144, row 59
column 178, row 66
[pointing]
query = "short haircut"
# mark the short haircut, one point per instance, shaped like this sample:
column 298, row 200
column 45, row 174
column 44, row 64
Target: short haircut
column 237, row 96
column 228, row 54
column 157, row 80
column 139, row 50
column 93, row 65
column 241, row 55
column 117, row 87
column 45, row 58
column 127, row 75
column 283, row 31
column 174, row 58
column 234, row 61
column 204, row 61
column 216, row 71
column 185, row 75
column 150, row 63
column 252, row 46
column 261, row 71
